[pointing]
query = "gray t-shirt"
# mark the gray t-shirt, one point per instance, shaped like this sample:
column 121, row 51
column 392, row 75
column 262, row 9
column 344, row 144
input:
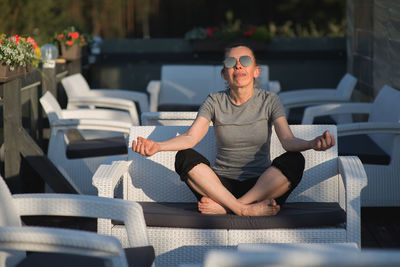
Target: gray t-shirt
column 242, row 132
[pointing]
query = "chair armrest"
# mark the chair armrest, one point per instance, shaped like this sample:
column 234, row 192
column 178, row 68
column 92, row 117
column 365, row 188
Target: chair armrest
column 46, row 239
column 129, row 212
column 106, row 102
column 274, row 86
column 311, row 101
column 293, row 94
column 107, row 176
column 105, row 179
column 100, row 114
column 368, row 128
column 139, row 97
column 334, row 109
column 354, row 178
column 153, row 88
column 92, row 124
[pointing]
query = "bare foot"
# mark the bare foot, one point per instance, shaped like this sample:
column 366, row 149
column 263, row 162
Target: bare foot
column 208, row 206
column 264, row 208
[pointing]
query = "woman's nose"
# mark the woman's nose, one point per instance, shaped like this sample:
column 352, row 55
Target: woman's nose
column 238, row 64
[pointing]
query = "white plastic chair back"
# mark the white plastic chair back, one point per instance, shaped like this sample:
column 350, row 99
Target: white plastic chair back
column 168, row 118
column 186, row 85
column 190, row 85
column 386, row 108
column 51, row 107
column 346, row 86
column 75, row 85
column 263, row 78
column 8, row 210
column 9, row 217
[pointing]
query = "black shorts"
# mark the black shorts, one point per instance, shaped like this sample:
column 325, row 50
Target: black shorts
column 291, row 164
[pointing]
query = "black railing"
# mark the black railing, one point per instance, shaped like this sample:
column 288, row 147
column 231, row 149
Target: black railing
column 25, row 131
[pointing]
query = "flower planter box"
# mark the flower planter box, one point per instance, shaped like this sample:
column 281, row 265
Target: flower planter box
column 72, row 53
column 7, row 75
column 210, row 45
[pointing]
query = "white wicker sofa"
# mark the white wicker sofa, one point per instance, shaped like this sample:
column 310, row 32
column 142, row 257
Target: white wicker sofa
column 152, row 180
column 185, row 87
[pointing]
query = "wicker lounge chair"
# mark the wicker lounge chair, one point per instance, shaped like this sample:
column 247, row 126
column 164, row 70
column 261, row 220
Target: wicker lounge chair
column 180, row 234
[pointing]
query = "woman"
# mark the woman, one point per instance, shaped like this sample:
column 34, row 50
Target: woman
column 243, row 180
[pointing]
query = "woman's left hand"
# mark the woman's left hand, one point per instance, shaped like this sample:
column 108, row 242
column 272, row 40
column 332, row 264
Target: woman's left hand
column 323, row 142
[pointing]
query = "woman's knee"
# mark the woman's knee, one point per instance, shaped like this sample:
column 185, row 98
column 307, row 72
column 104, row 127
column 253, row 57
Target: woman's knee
column 187, row 159
column 291, row 164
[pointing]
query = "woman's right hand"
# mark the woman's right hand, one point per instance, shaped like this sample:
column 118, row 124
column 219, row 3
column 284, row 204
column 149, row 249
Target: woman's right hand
column 145, row 147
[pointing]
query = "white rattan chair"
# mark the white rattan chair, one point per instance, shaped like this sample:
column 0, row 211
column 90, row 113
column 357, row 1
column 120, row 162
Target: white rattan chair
column 383, row 127
column 16, row 239
column 302, row 98
column 81, row 95
column 100, row 126
column 327, row 178
column 303, row 258
column 188, row 85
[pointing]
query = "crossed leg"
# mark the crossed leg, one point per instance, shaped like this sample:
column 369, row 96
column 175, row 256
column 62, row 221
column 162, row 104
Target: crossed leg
column 258, row 201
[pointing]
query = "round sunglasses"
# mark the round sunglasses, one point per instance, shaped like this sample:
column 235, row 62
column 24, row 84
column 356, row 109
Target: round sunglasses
column 230, row 62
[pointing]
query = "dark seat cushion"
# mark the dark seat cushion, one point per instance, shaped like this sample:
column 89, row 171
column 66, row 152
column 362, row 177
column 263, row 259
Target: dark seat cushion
column 178, row 107
column 140, row 256
column 364, row 147
column 291, row 215
column 45, row 259
column 136, row 257
column 97, row 147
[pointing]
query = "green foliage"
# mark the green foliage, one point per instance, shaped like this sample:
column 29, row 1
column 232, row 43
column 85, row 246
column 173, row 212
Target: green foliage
column 262, row 33
column 37, row 18
column 40, row 19
column 196, row 33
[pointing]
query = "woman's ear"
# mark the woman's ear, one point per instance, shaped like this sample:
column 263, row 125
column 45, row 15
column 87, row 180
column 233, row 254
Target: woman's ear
column 223, row 74
column 257, row 72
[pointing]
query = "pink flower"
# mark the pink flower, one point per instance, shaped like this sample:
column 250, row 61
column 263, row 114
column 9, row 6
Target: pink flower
column 60, row 36
column 31, row 41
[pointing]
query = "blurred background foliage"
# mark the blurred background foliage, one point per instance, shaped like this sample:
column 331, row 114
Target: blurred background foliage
column 117, row 19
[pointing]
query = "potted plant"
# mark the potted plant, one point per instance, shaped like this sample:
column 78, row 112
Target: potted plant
column 17, row 56
column 71, row 41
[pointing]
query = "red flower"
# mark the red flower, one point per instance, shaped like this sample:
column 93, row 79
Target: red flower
column 73, row 35
column 1, row 41
column 60, row 36
column 210, row 31
column 16, row 38
column 250, row 31
column 69, row 43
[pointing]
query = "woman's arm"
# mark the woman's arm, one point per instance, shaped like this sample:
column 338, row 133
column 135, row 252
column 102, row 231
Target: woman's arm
column 292, row 143
column 196, row 132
